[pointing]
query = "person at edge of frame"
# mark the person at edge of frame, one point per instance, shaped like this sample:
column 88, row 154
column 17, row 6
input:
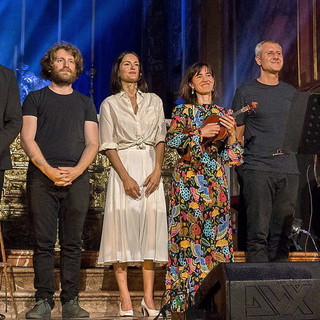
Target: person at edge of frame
column 10, row 121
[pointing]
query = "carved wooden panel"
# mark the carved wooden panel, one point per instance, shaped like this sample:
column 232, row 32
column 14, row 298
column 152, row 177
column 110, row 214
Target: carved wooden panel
column 14, row 215
column 308, row 15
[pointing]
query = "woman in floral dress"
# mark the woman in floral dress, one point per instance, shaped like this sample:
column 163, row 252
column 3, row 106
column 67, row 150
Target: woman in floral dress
column 200, row 234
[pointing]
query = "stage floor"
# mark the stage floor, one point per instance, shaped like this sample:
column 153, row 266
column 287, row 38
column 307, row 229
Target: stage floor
column 97, row 315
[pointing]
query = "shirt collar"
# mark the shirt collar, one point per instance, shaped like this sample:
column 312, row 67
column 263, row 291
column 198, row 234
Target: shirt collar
column 139, row 93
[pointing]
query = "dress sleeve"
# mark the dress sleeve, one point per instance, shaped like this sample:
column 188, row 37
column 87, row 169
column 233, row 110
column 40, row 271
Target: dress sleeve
column 231, row 155
column 106, row 128
column 182, row 136
column 161, row 126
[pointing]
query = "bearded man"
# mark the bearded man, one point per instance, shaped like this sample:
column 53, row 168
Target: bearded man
column 60, row 136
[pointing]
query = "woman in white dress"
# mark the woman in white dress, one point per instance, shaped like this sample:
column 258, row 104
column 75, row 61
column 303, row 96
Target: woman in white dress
column 132, row 134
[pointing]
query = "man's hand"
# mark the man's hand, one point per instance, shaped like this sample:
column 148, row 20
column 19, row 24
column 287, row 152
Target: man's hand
column 59, row 177
column 72, row 173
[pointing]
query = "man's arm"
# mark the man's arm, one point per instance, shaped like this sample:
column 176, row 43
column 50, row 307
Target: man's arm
column 28, row 133
column 88, row 154
column 12, row 115
column 237, row 103
column 240, row 134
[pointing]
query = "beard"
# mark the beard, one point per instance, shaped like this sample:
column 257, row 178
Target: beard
column 63, row 79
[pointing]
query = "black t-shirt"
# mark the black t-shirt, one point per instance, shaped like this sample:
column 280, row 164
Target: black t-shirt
column 60, row 125
column 265, row 128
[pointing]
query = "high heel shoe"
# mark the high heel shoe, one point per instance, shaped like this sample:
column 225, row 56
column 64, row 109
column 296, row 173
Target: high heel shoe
column 127, row 313
column 146, row 311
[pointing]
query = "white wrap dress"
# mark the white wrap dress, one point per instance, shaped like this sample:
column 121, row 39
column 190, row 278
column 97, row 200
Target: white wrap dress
column 134, row 230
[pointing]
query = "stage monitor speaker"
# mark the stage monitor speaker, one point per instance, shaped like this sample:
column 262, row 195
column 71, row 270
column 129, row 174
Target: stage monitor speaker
column 303, row 125
column 261, row 291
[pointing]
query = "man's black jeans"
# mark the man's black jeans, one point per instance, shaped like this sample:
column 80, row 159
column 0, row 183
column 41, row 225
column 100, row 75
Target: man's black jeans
column 270, row 200
column 50, row 205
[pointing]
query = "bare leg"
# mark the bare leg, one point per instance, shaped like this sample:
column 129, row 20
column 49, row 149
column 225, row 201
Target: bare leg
column 120, row 271
column 148, row 282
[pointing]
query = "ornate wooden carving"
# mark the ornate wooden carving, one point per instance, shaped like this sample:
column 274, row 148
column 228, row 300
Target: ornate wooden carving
column 308, row 14
column 14, row 212
column 308, row 35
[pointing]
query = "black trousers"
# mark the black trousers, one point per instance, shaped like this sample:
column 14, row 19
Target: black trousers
column 50, row 204
column 270, row 200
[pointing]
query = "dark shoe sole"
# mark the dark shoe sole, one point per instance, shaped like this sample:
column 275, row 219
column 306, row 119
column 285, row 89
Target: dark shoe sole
column 69, row 316
column 44, row 317
column 73, row 317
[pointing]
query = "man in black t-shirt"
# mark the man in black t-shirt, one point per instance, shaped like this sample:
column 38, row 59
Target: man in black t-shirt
column 10, row 120
column 10, row 117
column 270, row 178
column 60, row 136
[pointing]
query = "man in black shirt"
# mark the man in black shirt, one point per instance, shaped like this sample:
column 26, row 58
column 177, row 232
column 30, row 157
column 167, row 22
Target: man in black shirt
column 10, row 120
column 10, row 117
column 270, row 178
column 60, row 136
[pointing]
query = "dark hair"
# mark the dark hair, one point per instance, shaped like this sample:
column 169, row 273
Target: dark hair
column 185, row 90
column 48, row 59
column 115, row 85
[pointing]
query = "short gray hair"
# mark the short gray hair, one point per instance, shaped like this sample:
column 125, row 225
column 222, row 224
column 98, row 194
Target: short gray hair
column 258, row 48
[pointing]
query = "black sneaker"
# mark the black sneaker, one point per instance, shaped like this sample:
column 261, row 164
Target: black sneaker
column 71, row 309
column 41, row 310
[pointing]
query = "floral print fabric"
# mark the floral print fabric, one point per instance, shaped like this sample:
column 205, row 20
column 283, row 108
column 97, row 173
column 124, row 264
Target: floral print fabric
column 200, row 234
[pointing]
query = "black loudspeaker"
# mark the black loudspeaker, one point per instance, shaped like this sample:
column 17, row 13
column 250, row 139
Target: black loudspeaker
column 261, row 291
column 303, row 125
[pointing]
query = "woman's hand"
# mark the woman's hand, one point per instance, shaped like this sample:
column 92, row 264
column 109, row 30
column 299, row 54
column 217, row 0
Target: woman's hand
column 152, row 182
column 229, row 123
column 210, row 130
column 131, row 187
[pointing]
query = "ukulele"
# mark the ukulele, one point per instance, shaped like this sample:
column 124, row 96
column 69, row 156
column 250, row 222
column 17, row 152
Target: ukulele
column 223, row 133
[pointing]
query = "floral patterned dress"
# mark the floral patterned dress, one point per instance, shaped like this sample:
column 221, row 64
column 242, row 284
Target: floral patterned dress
column 200, row 234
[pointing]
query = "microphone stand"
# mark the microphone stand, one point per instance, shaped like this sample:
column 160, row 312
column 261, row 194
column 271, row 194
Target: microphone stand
column 296, row 230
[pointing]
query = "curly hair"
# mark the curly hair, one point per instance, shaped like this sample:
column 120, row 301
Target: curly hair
column 115, row 85
column 48, row 59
